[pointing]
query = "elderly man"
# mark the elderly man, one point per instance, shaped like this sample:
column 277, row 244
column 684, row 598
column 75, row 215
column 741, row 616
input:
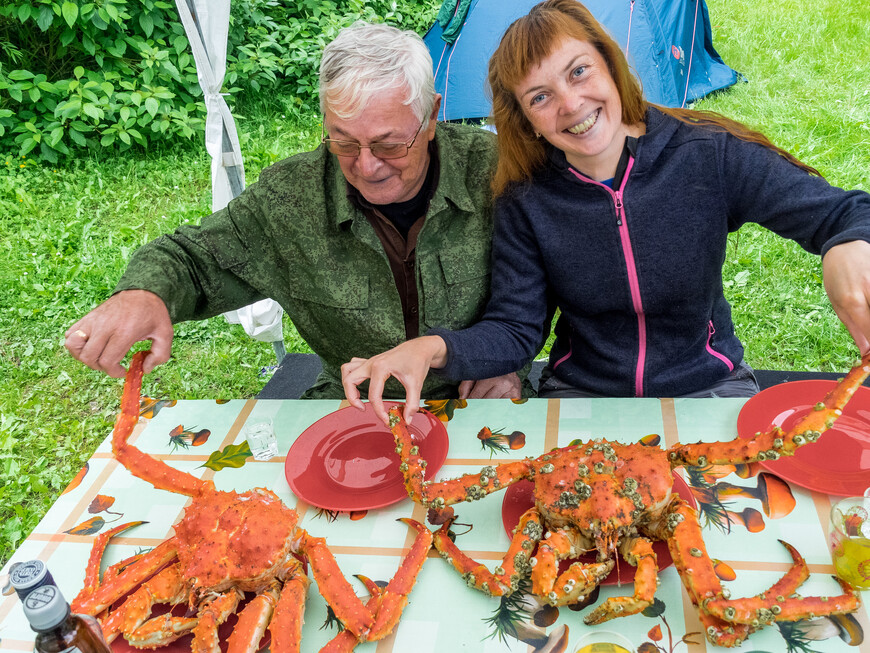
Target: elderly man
column 378, row 235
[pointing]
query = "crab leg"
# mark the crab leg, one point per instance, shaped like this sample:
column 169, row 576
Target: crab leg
column 779, row 602
column 145, row 567
column 469, row 487
column 639, row 553
column 515, row 564
column 393, row 599
column 572, row 585
column 776, row 442
column 355, row 616
column 211, row 615
column 115, row 570
column 156, row 472
column 334, row 587
column 160, row 631
column 131, row 618
column 345, row 640
column 286, row 624
column 253, row 620
column 681, row 530
column 92, row 572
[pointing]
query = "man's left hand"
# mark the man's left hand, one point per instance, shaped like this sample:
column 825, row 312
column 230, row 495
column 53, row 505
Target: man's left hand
column 507, row 386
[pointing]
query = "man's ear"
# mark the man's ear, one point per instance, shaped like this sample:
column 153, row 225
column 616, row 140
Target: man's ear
column 436, row 107
column 433, row 117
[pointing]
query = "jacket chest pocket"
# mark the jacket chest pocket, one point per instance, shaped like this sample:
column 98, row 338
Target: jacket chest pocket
column 459, row 302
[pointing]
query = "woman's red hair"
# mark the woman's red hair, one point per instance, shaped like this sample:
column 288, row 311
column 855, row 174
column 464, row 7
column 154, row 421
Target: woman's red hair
column 531, row 39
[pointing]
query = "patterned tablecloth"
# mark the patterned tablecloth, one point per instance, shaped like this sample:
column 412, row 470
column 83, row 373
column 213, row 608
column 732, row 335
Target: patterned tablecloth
column 741, row 524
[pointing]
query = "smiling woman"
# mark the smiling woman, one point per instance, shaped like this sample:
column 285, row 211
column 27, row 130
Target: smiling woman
column 572, row 102
column 618, row 211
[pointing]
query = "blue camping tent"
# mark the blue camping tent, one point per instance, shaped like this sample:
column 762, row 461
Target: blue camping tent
column 669, row 45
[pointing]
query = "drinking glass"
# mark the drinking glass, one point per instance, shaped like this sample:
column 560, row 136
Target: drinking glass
column 603, row 641
column 261, row 439
column 849, row 536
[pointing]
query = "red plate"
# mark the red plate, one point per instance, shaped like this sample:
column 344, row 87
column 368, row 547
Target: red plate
column 839, row 462
column 347, row 460
column 521, row 496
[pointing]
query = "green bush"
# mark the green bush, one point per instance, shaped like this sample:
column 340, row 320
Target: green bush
column 118, row 74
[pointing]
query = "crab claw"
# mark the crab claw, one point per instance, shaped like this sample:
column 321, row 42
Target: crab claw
column 776, row 442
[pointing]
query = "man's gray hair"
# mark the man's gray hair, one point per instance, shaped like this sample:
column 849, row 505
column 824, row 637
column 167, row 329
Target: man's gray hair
column 366, row 59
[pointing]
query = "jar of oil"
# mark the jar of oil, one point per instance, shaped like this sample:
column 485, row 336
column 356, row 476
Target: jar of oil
column 849, row 536
column 603, row 641
column 603, row 647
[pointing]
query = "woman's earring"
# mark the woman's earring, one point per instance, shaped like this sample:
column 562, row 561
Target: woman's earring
column 537, row 134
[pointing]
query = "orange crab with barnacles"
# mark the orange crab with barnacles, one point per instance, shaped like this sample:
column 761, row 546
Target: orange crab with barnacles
column 228, row 544
column 613, row 499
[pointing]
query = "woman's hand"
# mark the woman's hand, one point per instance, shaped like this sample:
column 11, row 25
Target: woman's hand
column 846, row 269
column 409, row 363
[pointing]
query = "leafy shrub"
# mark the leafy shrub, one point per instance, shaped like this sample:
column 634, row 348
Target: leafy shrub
column 76, row 74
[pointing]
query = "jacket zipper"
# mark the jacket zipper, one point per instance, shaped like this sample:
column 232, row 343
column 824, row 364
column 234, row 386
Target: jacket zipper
column 628, row 256
column 710, row 331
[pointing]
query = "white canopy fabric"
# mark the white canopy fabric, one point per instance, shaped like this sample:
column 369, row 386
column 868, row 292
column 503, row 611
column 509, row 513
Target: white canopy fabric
column 206, row 23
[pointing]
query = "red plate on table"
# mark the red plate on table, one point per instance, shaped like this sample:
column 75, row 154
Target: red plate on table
column 347, row 460
column 839, row 462
column 519, row 497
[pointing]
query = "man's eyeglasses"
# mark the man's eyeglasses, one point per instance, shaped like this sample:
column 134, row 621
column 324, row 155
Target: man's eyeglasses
column 379, row 150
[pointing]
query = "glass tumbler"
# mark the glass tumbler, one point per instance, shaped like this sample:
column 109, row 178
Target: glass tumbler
column 261, row 439
column 849, row 537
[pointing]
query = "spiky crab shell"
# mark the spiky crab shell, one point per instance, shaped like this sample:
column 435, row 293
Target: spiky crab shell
column 229, row 539
column 601, row 486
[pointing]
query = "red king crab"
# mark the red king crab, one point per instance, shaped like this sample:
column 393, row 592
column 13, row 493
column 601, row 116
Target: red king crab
column 614, row 498
column 227, row 544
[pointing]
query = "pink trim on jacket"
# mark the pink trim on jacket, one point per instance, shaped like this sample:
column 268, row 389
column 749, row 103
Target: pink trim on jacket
column 633, row 281
column 710, row 331
column 565, row 357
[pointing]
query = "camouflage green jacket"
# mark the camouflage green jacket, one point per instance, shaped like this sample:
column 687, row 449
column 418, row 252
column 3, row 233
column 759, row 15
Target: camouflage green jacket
column 295, row 237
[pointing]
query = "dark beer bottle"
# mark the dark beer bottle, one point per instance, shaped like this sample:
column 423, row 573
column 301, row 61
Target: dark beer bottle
column 57, row 629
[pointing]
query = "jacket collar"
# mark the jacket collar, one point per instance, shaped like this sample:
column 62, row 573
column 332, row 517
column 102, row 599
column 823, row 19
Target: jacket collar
column 659, row 130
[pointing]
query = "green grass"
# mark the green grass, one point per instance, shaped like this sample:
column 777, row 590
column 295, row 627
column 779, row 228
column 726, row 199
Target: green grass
column 66, row 234
column 808, row 89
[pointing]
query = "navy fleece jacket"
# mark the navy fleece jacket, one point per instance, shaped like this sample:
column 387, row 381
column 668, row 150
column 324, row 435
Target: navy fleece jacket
column 637, row 270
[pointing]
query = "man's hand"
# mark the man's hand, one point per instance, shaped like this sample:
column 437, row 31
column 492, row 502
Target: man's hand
column 846, row 269
column 103, row 337
column 409, row 363
column 507, row 386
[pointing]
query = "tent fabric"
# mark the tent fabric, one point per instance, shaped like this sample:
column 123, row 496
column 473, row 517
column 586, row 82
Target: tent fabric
column 206, row 24
column 451, row 18
column 669, row 45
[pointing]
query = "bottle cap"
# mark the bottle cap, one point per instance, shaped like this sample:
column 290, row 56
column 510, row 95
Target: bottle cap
column 45, row 608
column 27, row 576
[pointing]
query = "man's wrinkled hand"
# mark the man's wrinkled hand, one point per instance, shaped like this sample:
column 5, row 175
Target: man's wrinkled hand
column 102, row 338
